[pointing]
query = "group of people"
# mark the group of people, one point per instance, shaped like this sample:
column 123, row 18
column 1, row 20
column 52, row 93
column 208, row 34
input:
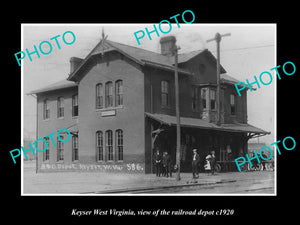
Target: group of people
column 209, row 166
column 164, row 166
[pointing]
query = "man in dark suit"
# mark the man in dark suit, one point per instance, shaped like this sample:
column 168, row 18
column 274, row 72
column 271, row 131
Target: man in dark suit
column 166, row 161
column 158, row 162
column 195, row 163
column 212, row 162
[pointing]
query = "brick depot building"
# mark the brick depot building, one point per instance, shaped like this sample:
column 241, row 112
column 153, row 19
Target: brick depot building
column 119, row 105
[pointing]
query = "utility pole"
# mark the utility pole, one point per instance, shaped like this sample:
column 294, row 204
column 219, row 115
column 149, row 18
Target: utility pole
column 218, row 38
column 177, row 114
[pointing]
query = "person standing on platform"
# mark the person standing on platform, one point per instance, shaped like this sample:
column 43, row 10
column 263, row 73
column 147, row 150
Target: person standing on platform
column 195, row 164
column 212, row 162
column 207, row 165
column 158, row 162
column 167, row 164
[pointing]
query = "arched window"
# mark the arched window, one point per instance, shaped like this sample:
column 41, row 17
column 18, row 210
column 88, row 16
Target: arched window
column 46, row 109
column 119, row 92
column 99, row 96
column 99, row 146
column 164, row 93
column 119, row 144
column 109, row 94
column 109, row 145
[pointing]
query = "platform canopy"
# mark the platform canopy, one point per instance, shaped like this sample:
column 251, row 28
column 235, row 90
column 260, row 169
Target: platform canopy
column 251, row 131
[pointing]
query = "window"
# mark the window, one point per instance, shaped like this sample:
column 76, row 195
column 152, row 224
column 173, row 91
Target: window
column 119, row 144
column 232, row 104
column 109, row 145
column 202, row 68
column 60, row 149
column 46, row 152
column 75, row 105
column 109, row 94
column 119, row 92
column 99, row 146
column 203, row 98
column 74, row 147
column 195, row 98
column 99, row 96
column 164, row 93
column 60, row 107
column 46, row 109
column 212, row 99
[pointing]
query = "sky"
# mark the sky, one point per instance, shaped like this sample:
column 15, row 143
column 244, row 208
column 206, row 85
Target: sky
column 247, row 52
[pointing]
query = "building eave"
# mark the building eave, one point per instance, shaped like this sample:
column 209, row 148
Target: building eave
column 166, row 67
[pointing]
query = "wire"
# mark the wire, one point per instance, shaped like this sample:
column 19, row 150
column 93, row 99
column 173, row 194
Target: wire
column 235, row 49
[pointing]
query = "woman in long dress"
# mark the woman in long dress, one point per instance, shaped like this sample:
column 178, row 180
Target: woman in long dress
column 207, row 165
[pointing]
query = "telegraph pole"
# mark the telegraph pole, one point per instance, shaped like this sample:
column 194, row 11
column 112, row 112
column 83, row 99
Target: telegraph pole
column 177, row 114
column 218, row 38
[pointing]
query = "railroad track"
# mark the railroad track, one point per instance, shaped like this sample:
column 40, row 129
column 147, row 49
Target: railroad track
column 158, row 189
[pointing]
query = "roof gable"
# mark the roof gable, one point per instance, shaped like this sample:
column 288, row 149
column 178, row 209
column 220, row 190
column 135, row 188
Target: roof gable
column 143, row 57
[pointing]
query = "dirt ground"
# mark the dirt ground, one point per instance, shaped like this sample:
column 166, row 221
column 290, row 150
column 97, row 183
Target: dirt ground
column 92, row 182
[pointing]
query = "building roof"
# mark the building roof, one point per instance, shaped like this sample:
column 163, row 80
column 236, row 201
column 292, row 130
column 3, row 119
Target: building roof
column 184, row 121
column 243, row 128
column 141, row 56
column 225, row 78
column 55, row 86
column 144, row 57
column 199, row 123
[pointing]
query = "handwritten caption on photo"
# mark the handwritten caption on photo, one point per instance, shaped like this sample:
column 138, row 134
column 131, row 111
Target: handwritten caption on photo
column 133, row 167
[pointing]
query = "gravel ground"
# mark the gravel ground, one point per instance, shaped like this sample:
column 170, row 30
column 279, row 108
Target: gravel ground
column 93, row 182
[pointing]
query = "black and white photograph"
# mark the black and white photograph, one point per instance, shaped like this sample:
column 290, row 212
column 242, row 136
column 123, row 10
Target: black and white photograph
column 162, row 109
column 134, row 113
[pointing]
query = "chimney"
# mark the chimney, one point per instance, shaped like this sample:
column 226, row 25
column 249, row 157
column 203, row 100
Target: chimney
column 74, row 63
column 167, row 45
